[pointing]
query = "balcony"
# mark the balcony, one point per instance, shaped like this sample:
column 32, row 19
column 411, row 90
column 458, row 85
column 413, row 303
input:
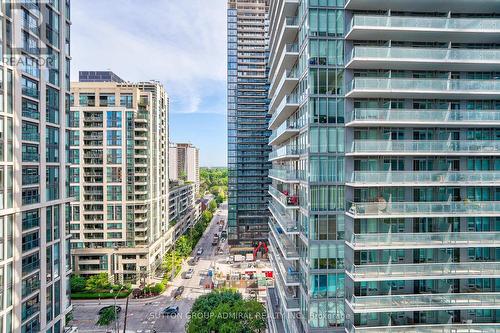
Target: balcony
column 442, row 328
column 287, row 29
column 424, row 302
column 288, row 58
column 281, row 241
column 284, row 110
column 378, row 87
column 287, row 200
column 274, row 319
column 427, row 240
column 441, row 118
column 288, row 273
column 288, row 224
column 287, row 295
column 423, row 178
column 416, row 58
column 284, row 132
column 413, row 28
column 424, row 209
column 424, row 271
column 476, row 6
column 425, row 147
column 285, row 86
column 288, row 152
column 285, row 176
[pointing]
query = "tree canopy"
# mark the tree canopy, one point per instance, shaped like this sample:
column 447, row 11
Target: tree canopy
column 225, row 311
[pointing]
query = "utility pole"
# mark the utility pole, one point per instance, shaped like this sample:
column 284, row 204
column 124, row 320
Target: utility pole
column 125, row 319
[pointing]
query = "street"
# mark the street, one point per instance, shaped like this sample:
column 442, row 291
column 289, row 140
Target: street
column 145, row 315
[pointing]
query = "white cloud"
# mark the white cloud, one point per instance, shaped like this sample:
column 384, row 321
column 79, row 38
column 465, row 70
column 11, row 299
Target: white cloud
column 182, row 43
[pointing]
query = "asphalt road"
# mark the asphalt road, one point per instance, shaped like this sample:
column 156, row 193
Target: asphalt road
column 144, row 316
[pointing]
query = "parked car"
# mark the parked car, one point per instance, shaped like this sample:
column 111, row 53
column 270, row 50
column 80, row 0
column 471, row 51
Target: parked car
column 189, row 273
column 178, row 292
column 118, row 309
column 200, row 251
column 170, row 311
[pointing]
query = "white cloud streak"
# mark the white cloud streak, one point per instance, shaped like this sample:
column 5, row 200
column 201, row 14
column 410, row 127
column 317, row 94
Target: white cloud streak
column 181, row 43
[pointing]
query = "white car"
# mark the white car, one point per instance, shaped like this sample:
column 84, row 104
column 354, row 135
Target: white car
column 189, row 273
column 200, row 251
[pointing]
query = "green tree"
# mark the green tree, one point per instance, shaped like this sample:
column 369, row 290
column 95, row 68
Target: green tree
column 77, row 283
column 207, row 216
column 228, row 312
column 98, row 282
column 107, row 317
column 183, row 246
column 212, row 206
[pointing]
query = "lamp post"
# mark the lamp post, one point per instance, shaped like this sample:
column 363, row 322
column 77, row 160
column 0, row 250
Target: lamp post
column 116, row 315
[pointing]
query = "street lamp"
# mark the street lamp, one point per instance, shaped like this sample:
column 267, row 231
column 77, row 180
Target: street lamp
column 116, row 315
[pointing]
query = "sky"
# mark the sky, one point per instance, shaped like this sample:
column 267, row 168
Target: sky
column 181, row 43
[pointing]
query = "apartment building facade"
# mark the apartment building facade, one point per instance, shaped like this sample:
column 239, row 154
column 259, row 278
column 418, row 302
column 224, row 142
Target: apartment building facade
column 307, row 190
column 34, row 243
column 184, row 163
column 248, row 148
column 118, row 148
column 422, row 127
column 183, row 209
column 385, row 128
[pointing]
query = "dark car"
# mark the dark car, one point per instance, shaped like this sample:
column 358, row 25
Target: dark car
column 178, row 292
column 118, row 309
column 170, row 311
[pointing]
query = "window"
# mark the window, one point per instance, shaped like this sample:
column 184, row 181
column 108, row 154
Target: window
column 114, row 138
column 114, row 119
column 52, row 105
column 126, row 100
column 52, row 183
column 29, row 87
column 52, row 144
column 114, row 193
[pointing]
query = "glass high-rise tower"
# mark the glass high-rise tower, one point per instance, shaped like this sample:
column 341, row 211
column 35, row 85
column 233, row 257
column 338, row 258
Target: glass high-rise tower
column 385, row 178
column 307, row 190
column 34, row 202
column 248, row 136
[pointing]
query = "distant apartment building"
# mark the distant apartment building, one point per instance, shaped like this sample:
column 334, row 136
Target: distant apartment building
column 34, row 241
column 183, row 208
column 118, row 150
column 248, row 134
column 184, row 163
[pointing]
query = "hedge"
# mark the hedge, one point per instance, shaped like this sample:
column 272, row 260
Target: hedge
column 103, row 295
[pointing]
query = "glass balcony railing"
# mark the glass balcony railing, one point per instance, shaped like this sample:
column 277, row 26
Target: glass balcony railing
column 443, row 328
column 292, row 21
column 426, row 146
column 425, row 54
column 288, row 125
column 428, row 239
column 467, row 269
column 285, row 152
column 425, row 116
column 283, row 219
column 425, row 301
column 288, row 273
column 429, row 86
column 281, row 241
column 423, row 23
column 381, row 209
column 285, row 198
column 424, row 177
column 287, row 101
column 285, row 175
column 288, row 298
